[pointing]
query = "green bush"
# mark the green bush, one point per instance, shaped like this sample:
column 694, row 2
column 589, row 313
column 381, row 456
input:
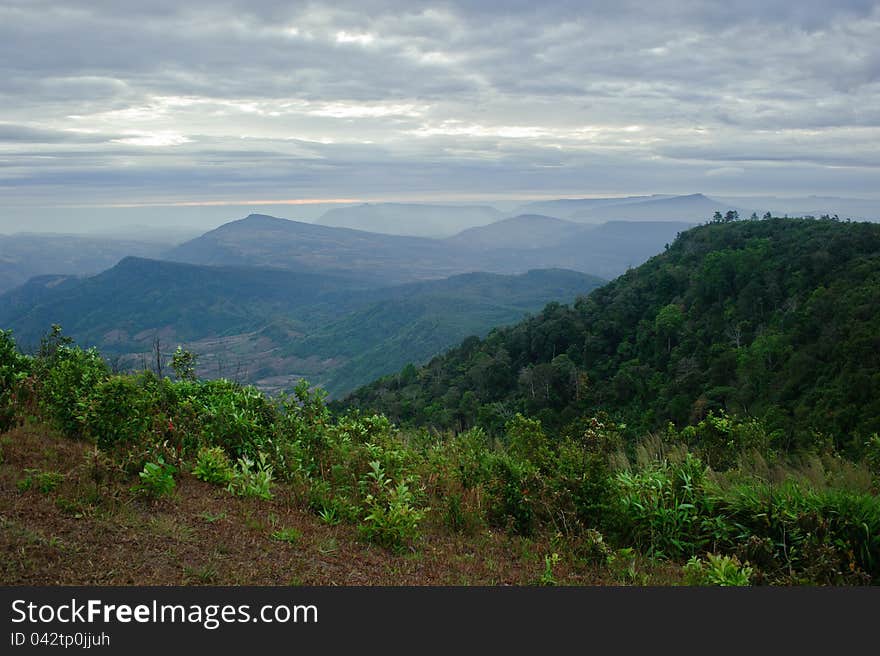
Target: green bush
column 717, row 570
column 213, row 466
column 721, row 439
column 157, row 479
column 512, row 490
column 391, row 517
column 239, row 419
column 527, row 441
column 810, row 536
column 67, row 380
column 252, row 478
column 580, row 488
column 14, row 368
column 119, row 411
column 664, row 509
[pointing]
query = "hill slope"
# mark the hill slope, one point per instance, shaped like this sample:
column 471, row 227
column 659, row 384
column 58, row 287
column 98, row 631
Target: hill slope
column 775, row 319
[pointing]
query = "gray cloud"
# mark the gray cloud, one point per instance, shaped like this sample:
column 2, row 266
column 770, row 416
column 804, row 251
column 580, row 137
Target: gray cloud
column 106, row 102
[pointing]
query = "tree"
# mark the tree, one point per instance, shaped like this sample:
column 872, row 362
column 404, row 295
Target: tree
column 184, row 364
column 668, row 322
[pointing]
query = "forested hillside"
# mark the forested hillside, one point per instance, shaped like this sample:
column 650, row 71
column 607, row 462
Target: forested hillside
column 775, row 319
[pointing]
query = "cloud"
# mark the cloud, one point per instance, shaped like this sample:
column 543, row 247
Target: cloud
column 381, row 98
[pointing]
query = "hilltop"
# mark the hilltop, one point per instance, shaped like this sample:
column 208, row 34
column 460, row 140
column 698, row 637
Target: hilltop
column 773, row 319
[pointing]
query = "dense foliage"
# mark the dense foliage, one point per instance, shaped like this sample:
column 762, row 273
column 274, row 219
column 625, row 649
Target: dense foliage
column 774, row 319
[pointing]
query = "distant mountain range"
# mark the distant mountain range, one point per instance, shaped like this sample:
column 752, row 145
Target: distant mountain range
column 412, row 219
column 693, row 208
column 24, row 255
column 533, row 241
column 509, row 246
column 565, row 208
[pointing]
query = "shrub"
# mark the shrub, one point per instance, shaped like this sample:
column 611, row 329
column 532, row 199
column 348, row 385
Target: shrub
column 118, row 412
column 14, row 367
column 717, row 570
column 721, row 438
column 184, row 364
column 252, row 478
column 67, row 380
column 157, row 479
column 512, row 489
column 526, row 440
column 391, row 517
column 580, row 488
column 664, row 509
column 829, row 536
column 239, row 419
column 213, row 466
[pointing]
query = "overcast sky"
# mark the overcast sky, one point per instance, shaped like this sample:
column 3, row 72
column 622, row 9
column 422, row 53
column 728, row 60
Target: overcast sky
column 105, row 102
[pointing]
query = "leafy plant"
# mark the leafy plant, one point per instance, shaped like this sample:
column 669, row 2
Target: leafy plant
column 252, row 479
column 550, row 560
column 157, row 479
column 717, row 570
column 391, row 518
column 213, row 466
column 14, row 367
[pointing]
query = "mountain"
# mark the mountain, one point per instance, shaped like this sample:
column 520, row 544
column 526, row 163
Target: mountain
column 565, row 208
column 523, row 232
column 535, row 242
column 25, row 255
column 694, row 208
column 270, row 326
column 775, row 319
column 410, row 219
column 265, row 241
column 510, row 246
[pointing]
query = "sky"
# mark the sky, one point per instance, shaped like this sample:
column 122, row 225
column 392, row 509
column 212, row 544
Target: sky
column 157, row 108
